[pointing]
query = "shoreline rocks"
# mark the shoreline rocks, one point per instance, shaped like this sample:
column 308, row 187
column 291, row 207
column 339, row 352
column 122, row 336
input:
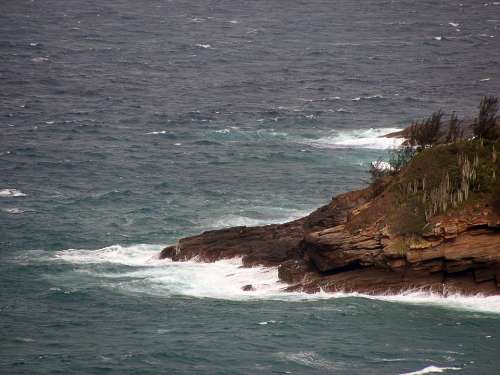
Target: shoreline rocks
column 458, row 252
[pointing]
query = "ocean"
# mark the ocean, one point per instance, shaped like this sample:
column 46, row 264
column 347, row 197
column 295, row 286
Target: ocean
column 126, row 125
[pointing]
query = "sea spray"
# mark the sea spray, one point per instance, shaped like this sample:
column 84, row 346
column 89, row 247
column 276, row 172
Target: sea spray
column 225, row 279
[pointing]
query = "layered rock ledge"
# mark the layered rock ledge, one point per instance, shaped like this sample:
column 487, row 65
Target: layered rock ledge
column 330, row 250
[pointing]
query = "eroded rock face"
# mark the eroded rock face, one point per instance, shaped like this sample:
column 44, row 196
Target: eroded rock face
column 460, row 253
column 268, row 245
column 457, row 253
column 334, row 248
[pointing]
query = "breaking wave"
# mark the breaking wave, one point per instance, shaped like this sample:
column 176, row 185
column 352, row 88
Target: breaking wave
column 273, row 216
column 361, row 138
column 11, row 193
column 144, row 272
column 431, row 370
column 223, row 279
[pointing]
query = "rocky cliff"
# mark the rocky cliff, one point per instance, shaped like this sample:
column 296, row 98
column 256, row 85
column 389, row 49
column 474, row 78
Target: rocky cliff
column 377, row 240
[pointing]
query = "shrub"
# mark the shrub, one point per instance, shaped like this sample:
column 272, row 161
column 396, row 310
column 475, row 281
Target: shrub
column 400, row 157
column 409, row 219
column 485, row 124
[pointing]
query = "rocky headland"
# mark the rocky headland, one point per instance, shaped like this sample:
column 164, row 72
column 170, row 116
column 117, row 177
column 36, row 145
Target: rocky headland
column 431, row 222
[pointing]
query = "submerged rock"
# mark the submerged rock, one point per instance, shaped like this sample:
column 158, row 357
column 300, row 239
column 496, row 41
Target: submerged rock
column 248, row 288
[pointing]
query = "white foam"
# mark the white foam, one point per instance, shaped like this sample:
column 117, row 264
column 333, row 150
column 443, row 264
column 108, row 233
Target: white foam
column 158, row 132
column 308, row 359
column 39, row 59
column 13, row 210
column 238, row 221
column 225, row 279
column 325, row 99
column 454, row 24
column 11, row 193
column 278, row 217
column 479, row 302
column 357, row 99
column 361, row 138
column 432, row 370
column 201, row 45
column 235, row 132
column 265, row 323
column 137, row 255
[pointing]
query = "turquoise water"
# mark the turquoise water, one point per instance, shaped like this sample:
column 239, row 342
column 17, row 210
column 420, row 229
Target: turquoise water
column 125, row 126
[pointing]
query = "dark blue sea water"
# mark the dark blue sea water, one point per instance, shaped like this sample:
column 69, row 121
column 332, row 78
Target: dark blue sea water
column 125, row 125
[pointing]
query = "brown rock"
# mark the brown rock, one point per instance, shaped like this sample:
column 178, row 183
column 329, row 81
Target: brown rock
column 431, row 266
column 396, row 264
column 453, row 266
column 168, row 252
column 420, row 255
column 464, row 283
column 294, row 270
column 480, row 248
column 484, row 274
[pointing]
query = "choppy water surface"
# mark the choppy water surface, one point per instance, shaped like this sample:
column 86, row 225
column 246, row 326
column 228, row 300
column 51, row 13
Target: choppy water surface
column 128, row 123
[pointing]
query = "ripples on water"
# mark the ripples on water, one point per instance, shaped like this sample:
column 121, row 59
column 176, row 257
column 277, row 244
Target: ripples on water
column 137, row 122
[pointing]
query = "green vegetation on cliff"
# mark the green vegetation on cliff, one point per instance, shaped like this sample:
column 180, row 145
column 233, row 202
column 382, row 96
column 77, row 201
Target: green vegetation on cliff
column 437, row 171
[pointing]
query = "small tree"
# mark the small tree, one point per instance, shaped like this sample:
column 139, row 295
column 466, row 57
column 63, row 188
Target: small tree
column 485, row 124
column 426, row 133
column 454, row 131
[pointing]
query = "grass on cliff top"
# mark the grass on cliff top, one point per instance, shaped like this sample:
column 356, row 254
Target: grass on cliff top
column 433, row 163
column 433, row 184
